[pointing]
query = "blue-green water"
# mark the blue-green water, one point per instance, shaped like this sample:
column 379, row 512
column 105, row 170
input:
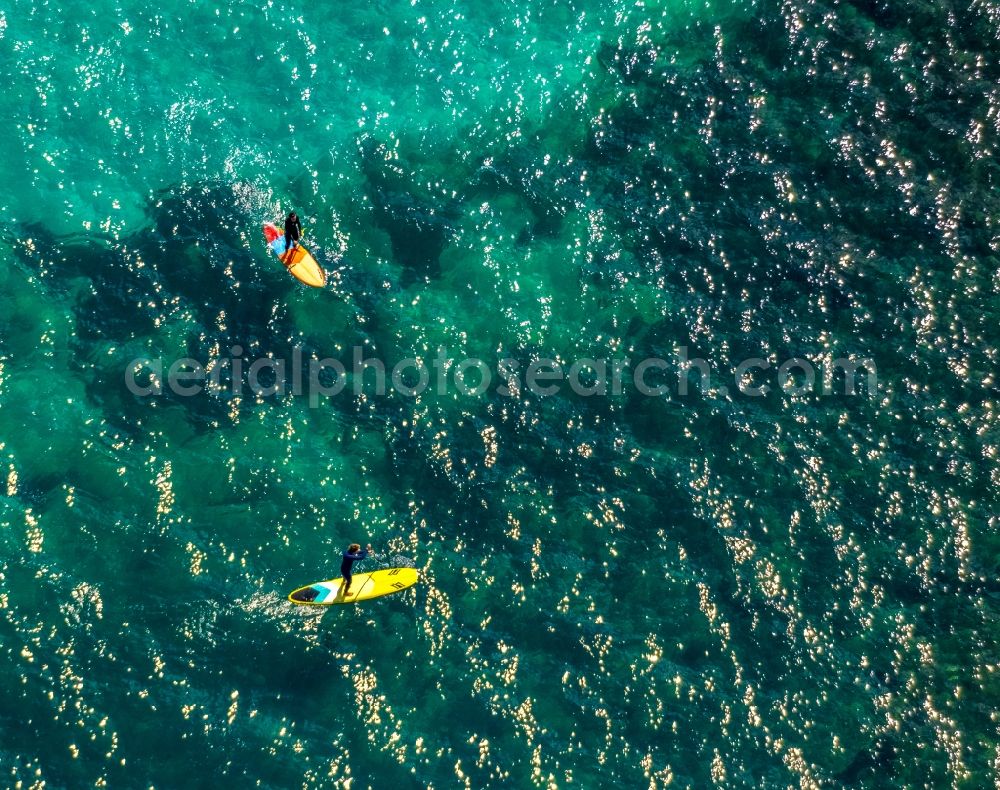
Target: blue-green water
column 619, row 591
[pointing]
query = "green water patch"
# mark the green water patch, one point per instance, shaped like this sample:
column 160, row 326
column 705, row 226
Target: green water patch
column 623, row 590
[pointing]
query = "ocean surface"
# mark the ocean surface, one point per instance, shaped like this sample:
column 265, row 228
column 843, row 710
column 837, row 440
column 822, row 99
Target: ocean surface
column 710, row 587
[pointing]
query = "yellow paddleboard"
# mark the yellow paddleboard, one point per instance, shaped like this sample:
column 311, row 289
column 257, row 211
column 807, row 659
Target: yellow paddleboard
column 304, row 268
column 298, row 261
column 363, row 587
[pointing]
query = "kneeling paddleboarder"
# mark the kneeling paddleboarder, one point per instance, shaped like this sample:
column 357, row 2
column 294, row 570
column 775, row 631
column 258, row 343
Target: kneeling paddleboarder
column 353, row 554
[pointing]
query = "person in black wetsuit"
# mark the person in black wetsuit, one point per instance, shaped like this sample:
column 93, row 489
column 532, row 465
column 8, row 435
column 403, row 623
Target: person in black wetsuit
column 293, row 232
column 353, row 554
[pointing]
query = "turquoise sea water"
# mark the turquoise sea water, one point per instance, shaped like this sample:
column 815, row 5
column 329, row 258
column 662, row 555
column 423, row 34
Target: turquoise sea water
column 796, row 590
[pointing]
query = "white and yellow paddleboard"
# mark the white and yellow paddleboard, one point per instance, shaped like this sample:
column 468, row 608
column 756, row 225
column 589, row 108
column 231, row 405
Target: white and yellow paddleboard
column 364, row 586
